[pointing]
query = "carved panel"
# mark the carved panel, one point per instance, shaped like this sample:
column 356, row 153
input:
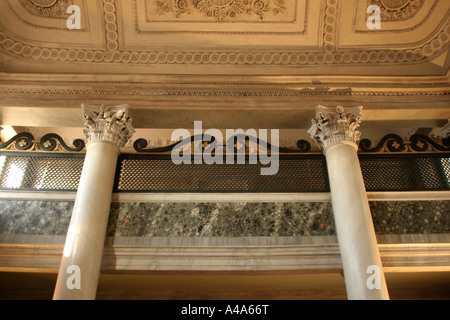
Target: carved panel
column 239, row 36
column 220, row 9
column 47, row 8
column 397, row 10
column 405, row 24
column 228, row 18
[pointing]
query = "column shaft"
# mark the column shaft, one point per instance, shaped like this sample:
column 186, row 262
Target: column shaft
column 335, row 132
column 108, row 130
column 354, row 226
column 87, row 230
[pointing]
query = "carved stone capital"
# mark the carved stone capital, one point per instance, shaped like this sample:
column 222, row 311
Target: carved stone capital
column 337, row 125
column 108, row 124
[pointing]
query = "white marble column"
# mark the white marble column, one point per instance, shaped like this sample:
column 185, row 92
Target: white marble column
column 335, row 132
column 108, row 128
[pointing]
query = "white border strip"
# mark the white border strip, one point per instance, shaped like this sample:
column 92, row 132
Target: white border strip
column 223, row 254
column 226, row 197
column 222, row 197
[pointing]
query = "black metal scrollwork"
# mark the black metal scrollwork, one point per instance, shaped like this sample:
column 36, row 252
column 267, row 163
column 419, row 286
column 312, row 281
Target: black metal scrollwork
column 23, row 141
column 304, row 145
column 48, row 143
column 446, row 142
column 393, row 143
column 140, row 144
column 421, row 143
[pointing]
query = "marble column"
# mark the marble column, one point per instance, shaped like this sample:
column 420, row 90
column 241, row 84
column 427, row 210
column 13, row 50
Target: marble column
column 335, row 132
column 108, row 129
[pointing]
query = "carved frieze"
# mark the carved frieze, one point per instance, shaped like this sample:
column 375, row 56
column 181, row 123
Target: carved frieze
column 107, row 123
column 221, row 9
column 334, row 126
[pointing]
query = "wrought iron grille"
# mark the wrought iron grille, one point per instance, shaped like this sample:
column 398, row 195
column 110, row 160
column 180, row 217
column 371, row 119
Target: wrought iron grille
column 403, row 172
column 157, row 173
column 40, row 171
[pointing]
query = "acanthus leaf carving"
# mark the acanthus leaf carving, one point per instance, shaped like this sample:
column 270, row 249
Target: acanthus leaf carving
column 334, row 126
column 47, row 8
column 221, row 9
column 107, row 123
column 398, row 10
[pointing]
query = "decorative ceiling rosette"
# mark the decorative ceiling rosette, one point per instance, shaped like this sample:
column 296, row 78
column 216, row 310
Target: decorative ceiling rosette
column 47, row 8
column 44, row 3
column 398, row 10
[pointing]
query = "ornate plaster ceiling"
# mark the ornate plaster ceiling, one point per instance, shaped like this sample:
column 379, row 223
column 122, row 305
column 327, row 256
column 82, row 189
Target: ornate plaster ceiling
column 226, row 37
column 230, row 63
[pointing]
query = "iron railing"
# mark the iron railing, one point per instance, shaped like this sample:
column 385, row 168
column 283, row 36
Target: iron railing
column 157, row 173
column 421, row 164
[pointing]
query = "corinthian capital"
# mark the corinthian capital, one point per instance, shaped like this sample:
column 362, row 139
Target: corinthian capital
column 107, row 123
column 332, row 126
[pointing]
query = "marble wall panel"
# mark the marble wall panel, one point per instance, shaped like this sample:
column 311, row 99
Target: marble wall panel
column 35, row 217
column 136, row 219
column 220, row 219
column 412, row 217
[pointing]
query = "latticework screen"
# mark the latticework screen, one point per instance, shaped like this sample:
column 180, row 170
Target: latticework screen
column 40, row 171
column 138, row 174
column 157, row 173
column 405, row 172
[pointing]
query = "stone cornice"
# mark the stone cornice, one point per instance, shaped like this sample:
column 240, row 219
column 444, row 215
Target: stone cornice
column 181, row 84
column 155, row 100
column 225, row 92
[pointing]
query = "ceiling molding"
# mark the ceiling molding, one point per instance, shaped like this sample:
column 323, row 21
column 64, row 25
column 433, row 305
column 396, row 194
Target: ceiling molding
column 222, row 92
column 114, row 51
